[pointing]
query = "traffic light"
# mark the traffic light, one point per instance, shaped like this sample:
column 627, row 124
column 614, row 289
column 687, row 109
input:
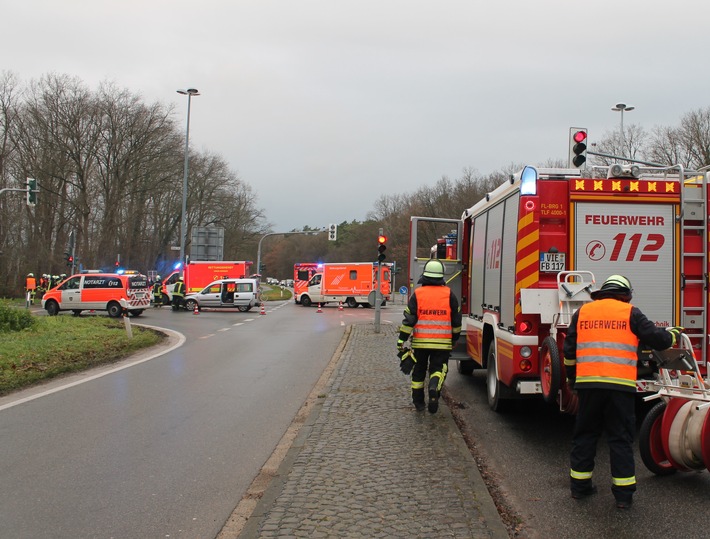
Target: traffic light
column 381, row 247
column 68, row 259
column 577, row 147
column 332, row 232
column 31, row 191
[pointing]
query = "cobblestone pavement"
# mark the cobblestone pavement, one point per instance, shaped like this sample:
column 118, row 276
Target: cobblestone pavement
column 367, row 465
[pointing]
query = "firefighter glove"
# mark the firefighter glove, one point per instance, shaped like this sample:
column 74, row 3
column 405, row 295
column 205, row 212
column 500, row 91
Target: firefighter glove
column 675, row 331
column 407, row 360
column 400, row 345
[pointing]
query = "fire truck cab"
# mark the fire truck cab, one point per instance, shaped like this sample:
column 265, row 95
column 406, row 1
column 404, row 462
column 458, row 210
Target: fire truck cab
column 547, row 230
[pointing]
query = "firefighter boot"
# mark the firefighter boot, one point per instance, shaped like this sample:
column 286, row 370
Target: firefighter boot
column 582, row 488
column 418, row 399
column 433, row 394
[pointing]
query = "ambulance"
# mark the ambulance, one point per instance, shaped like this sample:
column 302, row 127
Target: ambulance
column 302, row 273
column 349, row 283
column 199, row 274
column 528, row 254
column 111, row 292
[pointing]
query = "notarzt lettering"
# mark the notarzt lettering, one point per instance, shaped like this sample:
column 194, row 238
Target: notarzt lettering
column 625, row 220
column 603, row 324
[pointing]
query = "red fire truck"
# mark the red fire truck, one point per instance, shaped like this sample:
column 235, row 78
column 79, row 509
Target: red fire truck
column 528, row 254
column 199, row 274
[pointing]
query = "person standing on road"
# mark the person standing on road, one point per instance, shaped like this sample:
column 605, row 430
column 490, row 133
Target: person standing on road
column 30, row 288
column 600, row 352
column 433, row 320
column 157, row 292
column 179, row 294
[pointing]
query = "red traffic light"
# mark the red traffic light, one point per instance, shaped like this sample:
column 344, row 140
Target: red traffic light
column 580, row 136
column 381, row 239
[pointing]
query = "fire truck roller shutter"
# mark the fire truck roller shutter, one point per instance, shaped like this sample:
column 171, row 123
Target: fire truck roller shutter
column 636, row 240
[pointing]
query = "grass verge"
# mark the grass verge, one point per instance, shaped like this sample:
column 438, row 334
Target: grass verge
column 56, row 345
column 274, row 293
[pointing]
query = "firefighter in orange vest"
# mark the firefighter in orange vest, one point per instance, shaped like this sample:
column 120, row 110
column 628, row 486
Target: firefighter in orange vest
column 432, row 319
column 30, row 287
column 600, row 353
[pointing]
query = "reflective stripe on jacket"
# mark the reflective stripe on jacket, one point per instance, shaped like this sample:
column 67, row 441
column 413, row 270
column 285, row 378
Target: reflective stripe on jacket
column 606, row 346
column 433, row 327
column 179, row 289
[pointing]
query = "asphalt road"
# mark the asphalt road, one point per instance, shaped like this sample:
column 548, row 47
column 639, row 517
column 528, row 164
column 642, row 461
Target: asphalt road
column 526, row 453
column 165, row 447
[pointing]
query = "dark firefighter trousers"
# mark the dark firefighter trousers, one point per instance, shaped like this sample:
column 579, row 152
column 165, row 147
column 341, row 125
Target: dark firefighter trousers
column 437, row 362
column 613, row 412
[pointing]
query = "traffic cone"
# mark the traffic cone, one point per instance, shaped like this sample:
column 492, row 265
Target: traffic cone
column 197, row 310
column 263, row 311
column 340, row 306
column 319, row 309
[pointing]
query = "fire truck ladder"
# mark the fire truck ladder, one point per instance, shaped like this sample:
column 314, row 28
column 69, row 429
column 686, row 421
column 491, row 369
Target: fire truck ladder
column 694, row 259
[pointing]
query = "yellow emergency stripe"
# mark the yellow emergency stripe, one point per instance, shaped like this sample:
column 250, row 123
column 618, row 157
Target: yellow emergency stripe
column 606, row 380
column 417, row 385
column 528, row 257
column 623, row 481
column 580, row 475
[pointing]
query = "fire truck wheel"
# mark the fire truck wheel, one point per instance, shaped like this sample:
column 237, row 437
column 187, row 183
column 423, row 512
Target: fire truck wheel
column 650, row 445
column 137, row 312
column 306, row 301
column 497, row 392
column 114, row 309
column 550, row 369
column 52, row 308
column 350, row 302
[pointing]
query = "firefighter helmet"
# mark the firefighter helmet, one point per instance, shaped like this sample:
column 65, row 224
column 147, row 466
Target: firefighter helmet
column 30, row 275
column 615, row 285
column 434, row 269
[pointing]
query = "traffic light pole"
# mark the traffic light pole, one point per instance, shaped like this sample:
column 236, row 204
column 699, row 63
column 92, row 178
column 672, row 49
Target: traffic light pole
column 23, row 189
column 378, row 295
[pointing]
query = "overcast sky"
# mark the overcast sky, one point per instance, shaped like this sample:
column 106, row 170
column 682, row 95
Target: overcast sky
column 322, row 106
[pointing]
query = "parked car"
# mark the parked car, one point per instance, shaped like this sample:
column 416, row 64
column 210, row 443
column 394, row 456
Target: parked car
column 242, row 294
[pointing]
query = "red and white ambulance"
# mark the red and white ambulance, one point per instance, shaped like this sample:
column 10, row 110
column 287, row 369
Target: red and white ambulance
column 111, row 292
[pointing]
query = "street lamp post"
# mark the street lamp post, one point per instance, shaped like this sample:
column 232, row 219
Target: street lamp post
column 621, row 107
column 183, row 216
